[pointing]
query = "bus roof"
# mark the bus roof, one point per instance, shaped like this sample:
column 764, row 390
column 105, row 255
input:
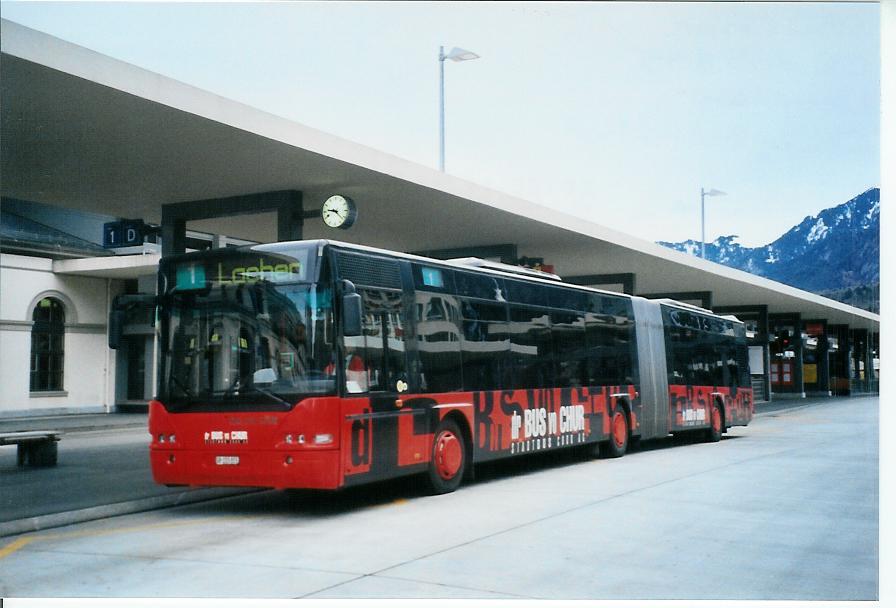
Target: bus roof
column 493, row 268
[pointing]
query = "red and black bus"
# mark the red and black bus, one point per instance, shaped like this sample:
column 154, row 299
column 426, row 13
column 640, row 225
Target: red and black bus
column 319, row 364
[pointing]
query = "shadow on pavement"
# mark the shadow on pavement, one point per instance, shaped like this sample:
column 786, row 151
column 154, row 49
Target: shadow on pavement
column 322, row 503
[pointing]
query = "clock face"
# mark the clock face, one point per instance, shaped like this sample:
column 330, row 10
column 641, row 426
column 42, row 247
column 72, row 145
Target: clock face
column 339, row 211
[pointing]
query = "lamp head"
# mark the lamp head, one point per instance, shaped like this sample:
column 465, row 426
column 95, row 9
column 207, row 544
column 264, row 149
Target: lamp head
column 459, row 54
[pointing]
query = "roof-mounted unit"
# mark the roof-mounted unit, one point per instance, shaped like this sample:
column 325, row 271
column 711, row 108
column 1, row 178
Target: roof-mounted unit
column 680, row 304
column 508, row 268
column 672, row 302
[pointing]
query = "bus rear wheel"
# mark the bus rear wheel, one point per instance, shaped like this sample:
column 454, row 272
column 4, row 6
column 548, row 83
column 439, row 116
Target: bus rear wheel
column 448, row 458
column 618, row 443
column 716, row 423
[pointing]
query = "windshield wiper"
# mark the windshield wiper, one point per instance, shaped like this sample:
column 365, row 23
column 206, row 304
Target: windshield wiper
column 236, row 384
column 273, row 396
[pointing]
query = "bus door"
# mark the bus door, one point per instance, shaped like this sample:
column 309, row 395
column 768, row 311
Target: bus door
column 378, row 367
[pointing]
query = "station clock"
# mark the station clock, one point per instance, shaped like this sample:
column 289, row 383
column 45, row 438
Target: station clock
column 339, row 212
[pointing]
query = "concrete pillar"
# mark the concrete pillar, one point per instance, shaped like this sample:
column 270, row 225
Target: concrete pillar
column 174, row 234
column 875, row 354
column 817, row 329
column 291, row 219
column 860, row 359
column 838, row 359
column 755, row 316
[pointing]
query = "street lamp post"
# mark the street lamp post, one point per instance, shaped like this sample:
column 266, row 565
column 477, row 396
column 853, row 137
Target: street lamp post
column 456, row 54
column 703, row 195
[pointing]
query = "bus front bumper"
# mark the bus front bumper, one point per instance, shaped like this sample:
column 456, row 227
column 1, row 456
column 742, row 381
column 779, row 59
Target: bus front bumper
column 279, row 469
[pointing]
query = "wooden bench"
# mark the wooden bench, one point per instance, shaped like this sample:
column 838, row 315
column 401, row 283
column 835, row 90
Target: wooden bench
column 35, row 448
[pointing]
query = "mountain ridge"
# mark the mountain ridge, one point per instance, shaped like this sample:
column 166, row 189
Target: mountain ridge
column 827, row 253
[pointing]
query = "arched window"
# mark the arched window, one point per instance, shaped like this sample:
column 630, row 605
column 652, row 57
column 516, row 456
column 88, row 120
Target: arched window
column 47, row 345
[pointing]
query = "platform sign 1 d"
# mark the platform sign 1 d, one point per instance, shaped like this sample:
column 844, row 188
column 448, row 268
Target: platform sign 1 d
column 123, row 233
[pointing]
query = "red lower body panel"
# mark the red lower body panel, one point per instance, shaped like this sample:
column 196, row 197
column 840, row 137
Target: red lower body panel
column 691, row 406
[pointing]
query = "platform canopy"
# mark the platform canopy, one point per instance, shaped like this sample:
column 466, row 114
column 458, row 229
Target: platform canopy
column 82, row 130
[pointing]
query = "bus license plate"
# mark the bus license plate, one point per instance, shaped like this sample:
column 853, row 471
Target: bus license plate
column 227, row 459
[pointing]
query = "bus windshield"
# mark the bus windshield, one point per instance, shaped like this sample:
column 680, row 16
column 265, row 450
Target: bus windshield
column 243, row 340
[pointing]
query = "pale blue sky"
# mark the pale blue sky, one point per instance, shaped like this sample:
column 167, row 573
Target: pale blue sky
column 617, row 112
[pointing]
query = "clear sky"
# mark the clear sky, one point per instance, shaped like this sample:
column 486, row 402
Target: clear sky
column 617, row 112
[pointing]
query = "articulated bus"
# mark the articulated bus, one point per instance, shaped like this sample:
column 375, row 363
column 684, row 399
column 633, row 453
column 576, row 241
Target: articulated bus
column 320, row 364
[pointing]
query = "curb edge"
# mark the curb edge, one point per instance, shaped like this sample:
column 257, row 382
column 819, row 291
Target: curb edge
column 65, row 518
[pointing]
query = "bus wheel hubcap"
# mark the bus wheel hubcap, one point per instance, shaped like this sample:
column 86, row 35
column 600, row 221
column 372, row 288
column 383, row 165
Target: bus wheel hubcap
column 619, row 429
column 449, row 455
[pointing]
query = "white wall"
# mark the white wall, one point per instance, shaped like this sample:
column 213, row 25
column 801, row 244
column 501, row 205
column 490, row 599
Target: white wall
column 88, row 366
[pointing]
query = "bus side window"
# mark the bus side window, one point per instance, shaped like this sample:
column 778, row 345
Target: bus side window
column 568, row 333
column 376, row 360
column 355, row 374
column 485, row 345
column 531, row 347
column 356, row 379
column 438, row 342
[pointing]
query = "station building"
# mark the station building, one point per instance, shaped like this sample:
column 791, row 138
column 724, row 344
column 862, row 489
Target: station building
column 107, row 166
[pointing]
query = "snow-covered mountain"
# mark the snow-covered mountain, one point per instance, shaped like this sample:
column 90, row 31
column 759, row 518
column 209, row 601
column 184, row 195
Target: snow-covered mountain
column 836, row 249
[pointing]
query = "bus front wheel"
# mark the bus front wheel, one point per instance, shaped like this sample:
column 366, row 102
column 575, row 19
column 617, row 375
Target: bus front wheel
column 448, row 458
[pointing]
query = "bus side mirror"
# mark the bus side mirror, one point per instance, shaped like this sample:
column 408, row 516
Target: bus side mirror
column 351, row 314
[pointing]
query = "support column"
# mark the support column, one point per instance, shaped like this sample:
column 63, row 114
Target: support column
column 287, row 204
column 816, row 358
column 875, row 354
column 174, row 234
column 860, row 360
column 838, row 359
column 755, row 317
column 291, row 219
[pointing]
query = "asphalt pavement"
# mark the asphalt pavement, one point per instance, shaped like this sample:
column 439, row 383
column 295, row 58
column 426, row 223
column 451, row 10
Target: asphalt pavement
column 103, row 471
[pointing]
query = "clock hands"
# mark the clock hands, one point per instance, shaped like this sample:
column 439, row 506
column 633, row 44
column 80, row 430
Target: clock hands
column 338, row 212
